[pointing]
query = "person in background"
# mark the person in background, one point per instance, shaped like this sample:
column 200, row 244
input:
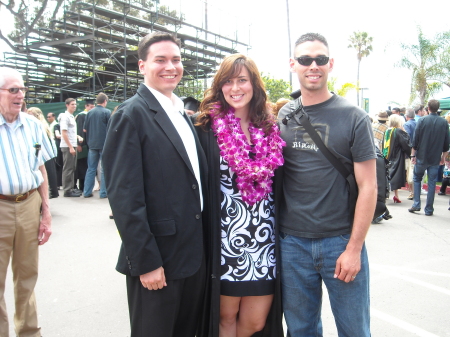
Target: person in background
column 379, row 129
column 25, row 221
column 410, row 128
column 82, row 147
column 68, row 146
column 429, row 150
column 190, row 105
column 396, row 147
column 50, row 165
column 94, row 129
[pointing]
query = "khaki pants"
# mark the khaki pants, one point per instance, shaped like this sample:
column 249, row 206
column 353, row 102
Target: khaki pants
column 19, row 227
column 69, row 167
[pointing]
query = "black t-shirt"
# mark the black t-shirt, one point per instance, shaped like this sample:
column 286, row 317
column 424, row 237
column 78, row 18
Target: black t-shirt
column 315, row 198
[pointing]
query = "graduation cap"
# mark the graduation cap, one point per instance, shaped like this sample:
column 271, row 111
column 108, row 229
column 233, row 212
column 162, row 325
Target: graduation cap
column 89, row 101
column 190, row 103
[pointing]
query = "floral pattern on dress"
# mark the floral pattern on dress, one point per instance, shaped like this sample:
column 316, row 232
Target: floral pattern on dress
column 247, row 233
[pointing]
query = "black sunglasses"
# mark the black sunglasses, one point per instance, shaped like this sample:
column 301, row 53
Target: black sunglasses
column 16, row 90
column 308, row 60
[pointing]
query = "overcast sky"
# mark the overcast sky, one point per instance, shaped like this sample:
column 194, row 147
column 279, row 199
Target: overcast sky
column 390, row 23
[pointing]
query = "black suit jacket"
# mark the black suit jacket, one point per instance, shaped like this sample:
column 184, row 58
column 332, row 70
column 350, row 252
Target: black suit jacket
column 152, row 189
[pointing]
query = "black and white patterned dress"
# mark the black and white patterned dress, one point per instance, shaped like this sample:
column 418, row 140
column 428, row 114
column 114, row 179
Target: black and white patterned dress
column 248, row 241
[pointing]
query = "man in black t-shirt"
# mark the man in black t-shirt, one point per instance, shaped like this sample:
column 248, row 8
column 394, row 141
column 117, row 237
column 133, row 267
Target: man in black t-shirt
column 320, row 240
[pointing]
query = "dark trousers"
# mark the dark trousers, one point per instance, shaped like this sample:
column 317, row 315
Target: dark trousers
column 445, row 183
column 173, row 311
column 50, row 166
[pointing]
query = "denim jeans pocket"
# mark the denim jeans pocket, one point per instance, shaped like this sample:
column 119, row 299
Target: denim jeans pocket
column 283, row 235
column 345, row 237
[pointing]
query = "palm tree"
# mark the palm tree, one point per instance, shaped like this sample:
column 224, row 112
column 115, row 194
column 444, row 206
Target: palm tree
column 427, row 60
column 361, row 41
column 343, row 90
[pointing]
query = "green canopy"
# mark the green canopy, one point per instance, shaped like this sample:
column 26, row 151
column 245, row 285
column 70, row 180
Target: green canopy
column 445, row 103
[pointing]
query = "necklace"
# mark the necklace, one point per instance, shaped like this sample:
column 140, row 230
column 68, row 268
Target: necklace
column 253, row 175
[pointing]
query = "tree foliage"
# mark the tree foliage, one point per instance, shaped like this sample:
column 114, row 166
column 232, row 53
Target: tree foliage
column 193, row 88
column 276, row 89
column 429, row 62
column 362, row 43
column 342, row 90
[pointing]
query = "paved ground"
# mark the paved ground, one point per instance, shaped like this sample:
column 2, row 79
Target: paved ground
column 80, row 294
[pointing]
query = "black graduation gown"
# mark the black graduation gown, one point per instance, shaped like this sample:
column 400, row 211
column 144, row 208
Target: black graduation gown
column 209, row 325
column 399, row 148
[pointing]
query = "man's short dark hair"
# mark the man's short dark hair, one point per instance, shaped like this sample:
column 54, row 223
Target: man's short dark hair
column 50, row 114
column 102, row 98
column 152, row 38
column 311, row 37
column 70, row 100
column 396, row 109
column 433, row 105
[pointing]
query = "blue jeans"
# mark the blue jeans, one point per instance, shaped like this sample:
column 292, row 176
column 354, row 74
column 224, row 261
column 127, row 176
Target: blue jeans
column 305, row 263
column 432, row 171
column 94, row 157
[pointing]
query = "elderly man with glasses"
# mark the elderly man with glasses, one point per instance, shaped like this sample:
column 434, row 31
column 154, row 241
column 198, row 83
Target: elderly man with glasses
column 24, row 148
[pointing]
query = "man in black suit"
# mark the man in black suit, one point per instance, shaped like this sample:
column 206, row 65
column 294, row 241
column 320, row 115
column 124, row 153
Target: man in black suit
column 153, row 167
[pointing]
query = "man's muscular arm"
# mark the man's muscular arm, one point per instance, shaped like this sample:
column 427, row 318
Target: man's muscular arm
column 349, row 263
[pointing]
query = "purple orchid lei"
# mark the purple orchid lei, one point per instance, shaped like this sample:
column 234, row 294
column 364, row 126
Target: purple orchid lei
column 254, row 176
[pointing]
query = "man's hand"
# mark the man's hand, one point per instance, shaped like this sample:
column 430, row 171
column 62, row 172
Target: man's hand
column 154, row 280
column 72, row 151
column 79, row 148
column 45, row 228
column 348, row 265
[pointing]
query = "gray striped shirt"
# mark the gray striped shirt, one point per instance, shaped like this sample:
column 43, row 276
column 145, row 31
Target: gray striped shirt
column 19, row 165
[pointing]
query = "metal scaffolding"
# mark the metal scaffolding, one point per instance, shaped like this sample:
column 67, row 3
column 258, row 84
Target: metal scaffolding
column 93, row 49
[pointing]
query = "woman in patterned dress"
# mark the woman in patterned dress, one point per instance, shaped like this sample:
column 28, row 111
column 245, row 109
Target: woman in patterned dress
column 241, row 141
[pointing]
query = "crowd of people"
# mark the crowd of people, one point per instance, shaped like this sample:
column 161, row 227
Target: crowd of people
column 225, row 217
column 415, row 141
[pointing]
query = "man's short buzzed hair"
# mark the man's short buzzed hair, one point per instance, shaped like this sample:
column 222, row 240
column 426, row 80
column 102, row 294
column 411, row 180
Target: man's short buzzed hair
column 69, row 100
column 410, row 113
column 311, row 37
column 433, row 105
column 101, row 98
column 50, row 114
column 152, row 38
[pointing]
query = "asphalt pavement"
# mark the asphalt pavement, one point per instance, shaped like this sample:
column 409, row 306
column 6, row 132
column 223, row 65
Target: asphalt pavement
column 79, row 293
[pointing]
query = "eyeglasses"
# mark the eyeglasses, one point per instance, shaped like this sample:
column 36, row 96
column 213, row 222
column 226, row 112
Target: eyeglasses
column 307, row 60
column 16, row 90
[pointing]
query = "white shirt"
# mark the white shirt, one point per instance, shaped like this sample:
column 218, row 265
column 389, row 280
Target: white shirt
column 174, row 108
column 67, row 122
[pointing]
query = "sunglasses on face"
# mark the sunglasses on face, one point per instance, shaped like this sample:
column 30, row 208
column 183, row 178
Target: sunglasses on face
column 307, row 60
column 16, row 90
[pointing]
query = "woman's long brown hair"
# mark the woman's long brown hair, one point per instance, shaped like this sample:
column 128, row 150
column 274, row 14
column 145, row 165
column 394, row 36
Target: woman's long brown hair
column 231, row 67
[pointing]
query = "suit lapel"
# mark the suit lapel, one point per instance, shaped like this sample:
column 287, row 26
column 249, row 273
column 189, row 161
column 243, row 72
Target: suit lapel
column 165, row 123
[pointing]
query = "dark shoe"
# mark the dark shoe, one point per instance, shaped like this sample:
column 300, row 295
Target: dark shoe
column 76, row 190
column 413, row 209
column 71, row 194
column 88, row 196
column 111, row 216
column 54, row 196
column 441, row 193
column 428, row 214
